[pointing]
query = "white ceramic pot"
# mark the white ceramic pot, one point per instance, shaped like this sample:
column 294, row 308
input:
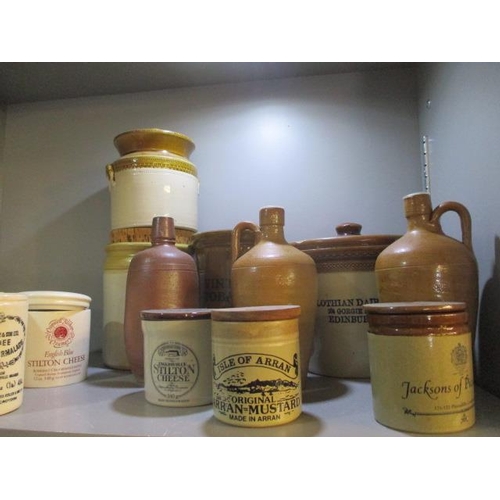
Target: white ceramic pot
column 177, row 357
column 57, row 344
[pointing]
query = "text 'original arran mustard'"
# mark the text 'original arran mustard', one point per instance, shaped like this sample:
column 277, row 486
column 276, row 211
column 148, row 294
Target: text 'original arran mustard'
column 256, row 365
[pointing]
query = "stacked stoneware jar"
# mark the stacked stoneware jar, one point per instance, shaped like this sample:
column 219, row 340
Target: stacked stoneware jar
column 152, row 177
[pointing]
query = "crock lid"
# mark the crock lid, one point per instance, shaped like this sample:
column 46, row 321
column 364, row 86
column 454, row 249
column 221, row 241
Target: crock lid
column 423, row 307
column 48, row 300
column 348, row 244
column 396, row 318
column 153, row 139
column 175, row 314
column 256, row 313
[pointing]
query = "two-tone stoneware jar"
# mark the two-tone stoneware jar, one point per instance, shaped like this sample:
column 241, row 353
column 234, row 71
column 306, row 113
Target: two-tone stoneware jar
column 256, row 365
column 153, row 177
column 346, row 282
column 421, row 365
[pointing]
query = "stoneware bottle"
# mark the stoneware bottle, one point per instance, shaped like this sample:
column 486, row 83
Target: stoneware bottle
column 273, row 272
column 427, row 265
column 159, row 277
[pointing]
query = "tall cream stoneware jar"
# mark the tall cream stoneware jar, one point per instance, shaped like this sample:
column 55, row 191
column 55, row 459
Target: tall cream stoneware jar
column 153, row 177
column 273, row 272
column 346, row 282
column 13, row 330
column 421, row 366
column 118, row 257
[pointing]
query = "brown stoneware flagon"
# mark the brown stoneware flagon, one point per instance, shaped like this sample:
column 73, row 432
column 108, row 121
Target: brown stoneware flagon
column 273, row 272
column 427, row 265
column 159, row 277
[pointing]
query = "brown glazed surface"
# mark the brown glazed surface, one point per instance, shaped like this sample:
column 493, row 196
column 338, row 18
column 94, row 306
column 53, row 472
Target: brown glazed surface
column 274, row 272
column 427, row 265
column 212, row 254
column 160, row 277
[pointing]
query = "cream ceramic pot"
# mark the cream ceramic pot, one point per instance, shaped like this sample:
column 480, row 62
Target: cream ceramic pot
column 256, row 365
column 346, row 282
column 13, row 324
column 153, row 177
column 177, row 357
column 57, row 345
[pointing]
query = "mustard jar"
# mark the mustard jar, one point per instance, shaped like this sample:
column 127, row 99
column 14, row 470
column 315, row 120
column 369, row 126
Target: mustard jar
column 256, row 365
column 421, row 366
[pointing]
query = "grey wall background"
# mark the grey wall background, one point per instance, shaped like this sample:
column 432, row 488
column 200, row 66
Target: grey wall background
column 462, row 121
column 328, row 149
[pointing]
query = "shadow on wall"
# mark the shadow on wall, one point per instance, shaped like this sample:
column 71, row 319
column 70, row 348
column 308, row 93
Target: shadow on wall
column 71, row 253
column 488, row 354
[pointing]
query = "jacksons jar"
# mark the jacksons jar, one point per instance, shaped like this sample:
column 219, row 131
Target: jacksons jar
column 421, row 366
column 346, row 282
column 256, row 365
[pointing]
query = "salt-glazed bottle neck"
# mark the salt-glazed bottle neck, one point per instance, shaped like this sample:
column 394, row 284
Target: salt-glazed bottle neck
column 418, row 212
column 272, row 222
column 163, row 231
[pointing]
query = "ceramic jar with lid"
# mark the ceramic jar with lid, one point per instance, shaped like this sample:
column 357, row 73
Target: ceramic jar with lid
column 421, row 365
column 177, row 357
column 58, row 338
column 153, row 177
column 273, row 272
column 256, row 365
column 346, row 282
column 438, row 267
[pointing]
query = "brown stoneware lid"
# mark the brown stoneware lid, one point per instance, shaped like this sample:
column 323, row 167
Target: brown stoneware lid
column 256, row 313
column 175, row 314
column 423, row 307
column 349, row 244
column 400, row 315
column 153, row 139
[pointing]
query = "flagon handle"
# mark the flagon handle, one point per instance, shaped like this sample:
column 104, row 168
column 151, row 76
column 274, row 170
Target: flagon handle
column 465, row 219
column 236, row 237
